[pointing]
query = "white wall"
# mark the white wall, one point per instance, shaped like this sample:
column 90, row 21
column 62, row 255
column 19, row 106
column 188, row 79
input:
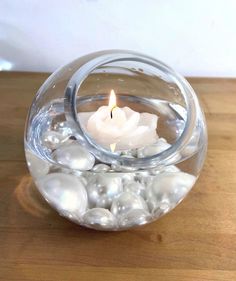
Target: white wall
column 194, row 37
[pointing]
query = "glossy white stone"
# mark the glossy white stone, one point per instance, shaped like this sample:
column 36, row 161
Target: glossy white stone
column 171, row 168
column 83, row 180
column 168, row 187
column 65, row 192
column 37, row 166
column 100, row 219
column 101, row 168
column 53, row 139
column 162, row 208
column 103, row 189
column 135, row 187
column 132, row 153
column 127, row 177
column 145, row 177
column 64, row 128
column 74, row 156
column 160, row 145
column 126, row 202
column 134, row 218
column 121, row 168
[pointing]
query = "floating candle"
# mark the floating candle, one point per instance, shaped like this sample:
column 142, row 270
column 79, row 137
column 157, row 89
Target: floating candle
column 120, row 128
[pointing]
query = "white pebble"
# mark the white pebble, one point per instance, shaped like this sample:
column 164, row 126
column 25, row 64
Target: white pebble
column 74, row 156
column 83, row 180
column 52, row 139
column 127, row 177
column 103, row 189
column 153, row 149
column 168, row 187
column 64, row 128
column 132, row 153
column 37, row 166
column 121, row 168
column 162, row 208
column 171, row 168
column 134, row 218
column 100, row 219
column 156, row 148
column 126, row 202
column 100, row 168
column 168, row 168
column 145, row 178
column 135, row 187
column 65, row 192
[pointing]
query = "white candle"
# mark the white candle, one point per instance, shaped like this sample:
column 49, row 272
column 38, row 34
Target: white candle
column 120, row 128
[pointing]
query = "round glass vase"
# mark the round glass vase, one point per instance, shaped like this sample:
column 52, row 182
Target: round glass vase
column 146, row 171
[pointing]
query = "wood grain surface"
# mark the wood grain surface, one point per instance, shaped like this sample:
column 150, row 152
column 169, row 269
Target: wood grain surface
column 196, row 241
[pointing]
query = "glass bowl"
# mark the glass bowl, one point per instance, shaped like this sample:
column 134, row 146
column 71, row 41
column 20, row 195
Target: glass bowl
column 115, row 166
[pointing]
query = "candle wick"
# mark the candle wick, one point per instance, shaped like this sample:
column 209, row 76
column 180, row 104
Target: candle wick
column 112, row 110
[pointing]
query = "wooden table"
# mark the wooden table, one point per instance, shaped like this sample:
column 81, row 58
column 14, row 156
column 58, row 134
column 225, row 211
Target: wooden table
column 196, row 241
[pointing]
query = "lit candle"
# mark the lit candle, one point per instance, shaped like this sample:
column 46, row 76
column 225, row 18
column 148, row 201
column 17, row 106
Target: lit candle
column 120, row 128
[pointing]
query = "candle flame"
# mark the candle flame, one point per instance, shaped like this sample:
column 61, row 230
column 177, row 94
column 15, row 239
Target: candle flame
column 113, row 147
column 112, row 100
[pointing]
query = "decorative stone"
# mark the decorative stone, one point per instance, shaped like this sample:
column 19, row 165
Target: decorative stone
column 171, row 168
column 37, row 166
column 126, row 202
column 101, row 168
column 145, row 178
column 83, row 180
column 168, row 187
column 132, row 153
column 121, row 168
column 155, row 171
column 153, row 149
column 104, row 189
column 65, row 192
column 156, row 148
column 134, row 218
column 100, row 219
column 162, row 208
column 74, row 156
column 135, row 187
column 52, row 139
column 64, row 128
column 127, row 177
